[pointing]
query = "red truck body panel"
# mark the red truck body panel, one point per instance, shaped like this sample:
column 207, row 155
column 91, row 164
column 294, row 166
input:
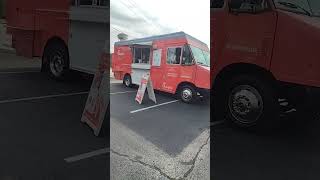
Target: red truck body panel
column 33, row 22
column 281, row 42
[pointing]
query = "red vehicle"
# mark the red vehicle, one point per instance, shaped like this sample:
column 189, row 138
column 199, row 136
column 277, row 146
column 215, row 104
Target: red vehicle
column 264, row 51
column 55, row 30
column 177, row 63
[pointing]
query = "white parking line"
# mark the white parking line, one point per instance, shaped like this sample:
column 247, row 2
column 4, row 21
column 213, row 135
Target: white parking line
column 87, row 155
column 123, row 92
column 41, row 97
column 18, row 72
column 150, row 107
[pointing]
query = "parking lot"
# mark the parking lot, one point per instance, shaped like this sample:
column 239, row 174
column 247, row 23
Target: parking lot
column 169, row 139
column 291, row 152
column 41, row 134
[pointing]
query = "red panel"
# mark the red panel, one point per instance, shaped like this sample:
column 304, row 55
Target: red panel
column 24, row 42
column 43, row 19
column 296, row 51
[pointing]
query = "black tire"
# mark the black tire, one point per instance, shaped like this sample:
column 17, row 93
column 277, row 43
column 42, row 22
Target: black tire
column 188, row 94
column 249, row 102
column 57, row 60
column 127, row 80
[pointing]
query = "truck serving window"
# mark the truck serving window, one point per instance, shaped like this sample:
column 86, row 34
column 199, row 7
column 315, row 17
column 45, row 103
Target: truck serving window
column 216, row 3
column 174, row 55
column 141, row 55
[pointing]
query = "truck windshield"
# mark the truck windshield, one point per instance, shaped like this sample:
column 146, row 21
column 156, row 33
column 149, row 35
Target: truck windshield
column 308, row 7
column 201, row 57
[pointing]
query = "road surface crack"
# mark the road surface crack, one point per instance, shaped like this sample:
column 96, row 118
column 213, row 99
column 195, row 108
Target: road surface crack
column 192, row 162
column 137, row 160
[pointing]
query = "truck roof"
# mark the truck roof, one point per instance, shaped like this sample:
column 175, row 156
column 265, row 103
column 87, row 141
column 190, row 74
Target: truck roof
column 160, row 37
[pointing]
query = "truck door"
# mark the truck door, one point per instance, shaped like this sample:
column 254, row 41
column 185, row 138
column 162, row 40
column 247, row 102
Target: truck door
column 172, row 69
column 188, row 68
column 251, row 28
column 296, row 51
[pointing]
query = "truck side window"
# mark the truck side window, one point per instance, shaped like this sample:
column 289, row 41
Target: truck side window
column 186, row 56
column 102, row 2
column 90, row 2
column 174, row 55
column 296, row 6
column 85, row 2
column 216, row 3
column 254, row 4
column 315, row 6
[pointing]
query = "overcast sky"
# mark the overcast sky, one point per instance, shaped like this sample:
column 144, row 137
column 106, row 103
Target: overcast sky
column 142, row 18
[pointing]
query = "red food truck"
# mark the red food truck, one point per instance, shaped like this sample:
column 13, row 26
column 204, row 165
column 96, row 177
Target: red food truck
column 67, row 34
column 177, row 63
column 264, row 51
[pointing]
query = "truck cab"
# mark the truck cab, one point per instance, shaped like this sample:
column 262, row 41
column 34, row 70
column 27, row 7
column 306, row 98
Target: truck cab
column 263, row 50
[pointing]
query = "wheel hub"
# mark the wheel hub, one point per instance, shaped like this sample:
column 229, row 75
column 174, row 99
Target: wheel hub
column 127, row 81
column 186, row 94
column 245, row 104
column 57, row 65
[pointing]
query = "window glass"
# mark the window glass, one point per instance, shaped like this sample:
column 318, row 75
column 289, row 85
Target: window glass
column 258, row 5
column 174, row 55
column 85, row 2
column 90, row 2
column 315, row 6
column 299, row 6
column 102, row 3
column 216, row 3
column 186, row 56
column 141, row 55
column 202, row 57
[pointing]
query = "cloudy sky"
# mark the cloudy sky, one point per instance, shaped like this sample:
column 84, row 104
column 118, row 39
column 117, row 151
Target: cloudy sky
column 142, row 18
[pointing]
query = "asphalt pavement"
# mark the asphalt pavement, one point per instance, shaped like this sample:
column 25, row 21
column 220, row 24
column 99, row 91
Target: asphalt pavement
column 289, row 153
column 164, row 140
column 40, row 129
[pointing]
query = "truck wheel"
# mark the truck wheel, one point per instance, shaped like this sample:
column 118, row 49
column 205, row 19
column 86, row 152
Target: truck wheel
column 127, row 81
column 250, row 102
column 57, row 61
column 188, row 94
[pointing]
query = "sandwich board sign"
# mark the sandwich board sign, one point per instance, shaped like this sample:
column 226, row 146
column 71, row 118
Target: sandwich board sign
column 98, row 99
column 146, row 83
